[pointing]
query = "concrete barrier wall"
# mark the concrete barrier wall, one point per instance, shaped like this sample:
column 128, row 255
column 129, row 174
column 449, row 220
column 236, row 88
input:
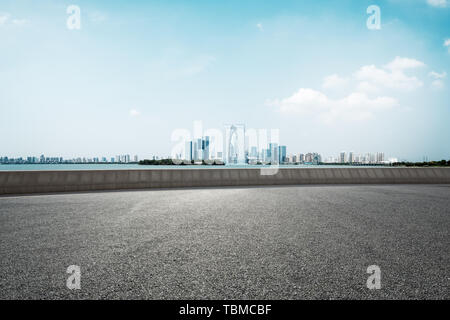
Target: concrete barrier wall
column 19, row 182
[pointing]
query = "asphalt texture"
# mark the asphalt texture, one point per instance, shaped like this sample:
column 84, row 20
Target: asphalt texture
column 293, row 242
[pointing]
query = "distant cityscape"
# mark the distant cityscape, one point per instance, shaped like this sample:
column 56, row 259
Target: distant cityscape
column 238, row 150
column 60, row 160
column 199, row 150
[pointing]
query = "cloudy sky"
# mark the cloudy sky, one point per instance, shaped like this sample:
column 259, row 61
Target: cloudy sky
column 135, row 71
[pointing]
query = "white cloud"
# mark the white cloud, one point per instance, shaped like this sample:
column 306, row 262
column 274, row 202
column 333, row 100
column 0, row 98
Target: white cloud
column 355, row 107
column 334, row 81
column 260, row 26
column 438, row 3
column 399, row 64
column 134, row 113
column 367, row 87
column 447, row 44
column 303, row 101
column 394, row 77
column 438, row 82
column 4, row 18
column 19, row 22
column 436, row 75
column 367, row 97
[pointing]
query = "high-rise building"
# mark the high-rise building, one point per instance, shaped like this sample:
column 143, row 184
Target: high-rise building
column 380, row 157
column 282, row 154
column 206, row 148
column 351, row 157
column 301, row 158
column 274, row 153
column 342, row 157
column 316, row 158
column 188, row 151
column 235, row 144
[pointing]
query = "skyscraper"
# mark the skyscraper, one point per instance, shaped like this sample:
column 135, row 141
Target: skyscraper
column 282, row 154
column 206, row 148
column 235, row 144
column 342, row 157
column 351, row 157
column 188, row 151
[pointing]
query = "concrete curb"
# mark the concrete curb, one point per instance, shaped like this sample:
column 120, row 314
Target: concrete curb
column 27, row 182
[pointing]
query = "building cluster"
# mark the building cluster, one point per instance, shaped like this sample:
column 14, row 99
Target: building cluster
column 308, row 158
column 235, row 148
column 354, row 158
column 60, row 160
column 200, row 149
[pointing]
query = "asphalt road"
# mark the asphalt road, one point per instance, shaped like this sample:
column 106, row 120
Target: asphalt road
column 296, row 242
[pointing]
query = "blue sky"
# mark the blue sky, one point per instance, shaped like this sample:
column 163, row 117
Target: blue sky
column 138, row 70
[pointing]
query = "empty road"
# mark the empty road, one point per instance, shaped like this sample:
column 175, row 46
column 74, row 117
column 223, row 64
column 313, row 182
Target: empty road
column 293, row 242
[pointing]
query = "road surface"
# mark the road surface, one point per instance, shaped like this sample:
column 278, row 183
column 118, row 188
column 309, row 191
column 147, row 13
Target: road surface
column 293, row 242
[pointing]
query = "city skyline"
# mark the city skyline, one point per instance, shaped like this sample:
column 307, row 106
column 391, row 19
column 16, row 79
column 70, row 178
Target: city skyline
column 207, row 148
column 134, row 73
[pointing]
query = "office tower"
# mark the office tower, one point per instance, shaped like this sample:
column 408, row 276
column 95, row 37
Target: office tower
column 274, row 154
column 200, row 146
column 301, row 157
column 194, row 150
column 206, row 148
column 235, row 144
column 188, row 151
column 282, row 154
column 316, row 158
column 254, row 152
column 342, row 157
column 136, row 159
column 380, row 157
column 351, row 157
column 268, row 155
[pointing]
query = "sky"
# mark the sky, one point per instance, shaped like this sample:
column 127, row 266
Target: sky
column 134, row 72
